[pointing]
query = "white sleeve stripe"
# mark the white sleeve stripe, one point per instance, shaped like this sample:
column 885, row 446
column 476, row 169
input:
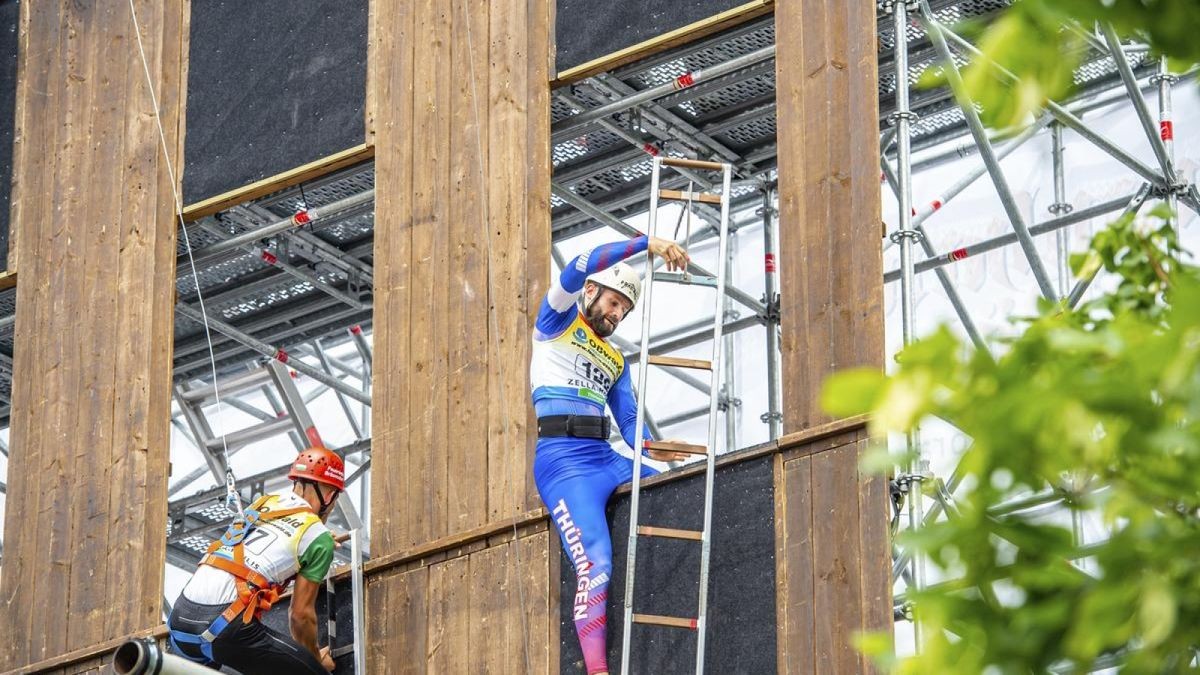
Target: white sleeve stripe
column 582, row 261
column 558, row 297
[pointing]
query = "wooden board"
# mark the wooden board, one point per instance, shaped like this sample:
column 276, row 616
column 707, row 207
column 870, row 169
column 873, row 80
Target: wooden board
column 461, row 116
column 469, row 344
column 834, row 556
column 462, row 614
column 260, row 188
column 830, row 261
column 87, row 474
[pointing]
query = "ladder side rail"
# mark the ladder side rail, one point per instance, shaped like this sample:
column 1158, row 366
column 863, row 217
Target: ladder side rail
column 643, row 371
column 711, row 458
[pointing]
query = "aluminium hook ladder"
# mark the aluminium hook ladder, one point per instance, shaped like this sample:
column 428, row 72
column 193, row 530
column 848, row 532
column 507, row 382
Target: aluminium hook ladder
column 703, row 537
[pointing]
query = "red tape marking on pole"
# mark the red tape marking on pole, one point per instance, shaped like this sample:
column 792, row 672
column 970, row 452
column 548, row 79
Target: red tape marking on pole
column 957, row 254
column 281, row 356
column 650, row 149
column 1166, row 130
column 314, row 438
column 684, row 81
column 301, row 217
column 769, row 260
column 269, row 257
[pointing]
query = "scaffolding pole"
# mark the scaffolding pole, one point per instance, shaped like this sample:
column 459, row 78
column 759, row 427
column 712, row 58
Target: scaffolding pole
column 563, row 129
column 1060, row 207
column 1166, row 129
column 988, row 154
column 773, row 417
column 1066, row 117
column 905, row 236
column 964, row 252
column 273, row 353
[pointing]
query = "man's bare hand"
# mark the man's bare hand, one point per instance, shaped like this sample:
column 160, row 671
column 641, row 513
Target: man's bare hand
column 327, row 659
column 670, row 252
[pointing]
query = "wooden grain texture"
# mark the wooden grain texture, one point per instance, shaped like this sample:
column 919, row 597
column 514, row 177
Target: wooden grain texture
column 834, row 558
column 448, row 643
column 837, row 558
column 876, row 570
column 86, row 502
column 461, row 611
column 391, row 76
column 427, row 412
column 461, row 98
column 794, row 566
column 466, row 451
column 830, row 261
column 538, row 169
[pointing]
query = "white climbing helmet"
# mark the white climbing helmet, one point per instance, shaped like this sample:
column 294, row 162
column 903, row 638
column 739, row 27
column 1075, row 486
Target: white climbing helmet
column 622, row 279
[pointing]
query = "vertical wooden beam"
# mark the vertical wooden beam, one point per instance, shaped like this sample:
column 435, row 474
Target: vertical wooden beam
column 833, row 538
column 461, row 97
column 831, row 272
column 86, row 506
column 393, row 49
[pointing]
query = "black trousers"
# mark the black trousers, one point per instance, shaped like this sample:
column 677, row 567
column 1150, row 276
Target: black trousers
column 251, row 649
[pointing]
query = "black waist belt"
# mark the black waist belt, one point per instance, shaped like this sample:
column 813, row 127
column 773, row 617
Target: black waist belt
column 574, row 426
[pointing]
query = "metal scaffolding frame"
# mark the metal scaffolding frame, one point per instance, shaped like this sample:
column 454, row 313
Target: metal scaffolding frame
column 287, row 278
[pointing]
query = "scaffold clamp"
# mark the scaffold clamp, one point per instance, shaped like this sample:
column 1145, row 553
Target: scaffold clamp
column 898, row 115
column 901, row 235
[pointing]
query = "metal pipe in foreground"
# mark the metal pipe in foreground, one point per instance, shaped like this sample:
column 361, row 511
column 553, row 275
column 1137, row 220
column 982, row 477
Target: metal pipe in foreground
column 144, row 657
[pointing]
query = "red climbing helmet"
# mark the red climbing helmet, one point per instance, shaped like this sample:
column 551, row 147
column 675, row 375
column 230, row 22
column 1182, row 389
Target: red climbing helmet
column 321, row 465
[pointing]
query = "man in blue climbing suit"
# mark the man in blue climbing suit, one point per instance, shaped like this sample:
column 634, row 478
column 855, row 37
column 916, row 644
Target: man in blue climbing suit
column 574, row 372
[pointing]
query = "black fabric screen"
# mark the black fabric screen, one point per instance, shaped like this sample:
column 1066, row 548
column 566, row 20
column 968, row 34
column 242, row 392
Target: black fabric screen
column 586, row 29
column 741, row 589
column 8, row 98
column 271, row 86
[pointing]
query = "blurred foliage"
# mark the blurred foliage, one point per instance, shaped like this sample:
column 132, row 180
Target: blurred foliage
column 1102, row 404
column 1029, row 40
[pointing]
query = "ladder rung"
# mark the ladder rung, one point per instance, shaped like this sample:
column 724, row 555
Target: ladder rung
column 651, row 531
column 674, row 622
column 680, row 278
column 698, row 364
column 705, row 197
column 687, row 448
column 692, row 163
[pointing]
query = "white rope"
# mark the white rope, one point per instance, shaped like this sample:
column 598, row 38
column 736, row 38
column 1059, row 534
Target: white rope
column 495, row 327
column 231, row 493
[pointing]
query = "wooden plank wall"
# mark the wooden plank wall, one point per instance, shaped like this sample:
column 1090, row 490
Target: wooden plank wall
column 831, row 528
column 460, row 611
column 97, row 666
column 832, row 561
column 462, row 159
column 86, row 508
